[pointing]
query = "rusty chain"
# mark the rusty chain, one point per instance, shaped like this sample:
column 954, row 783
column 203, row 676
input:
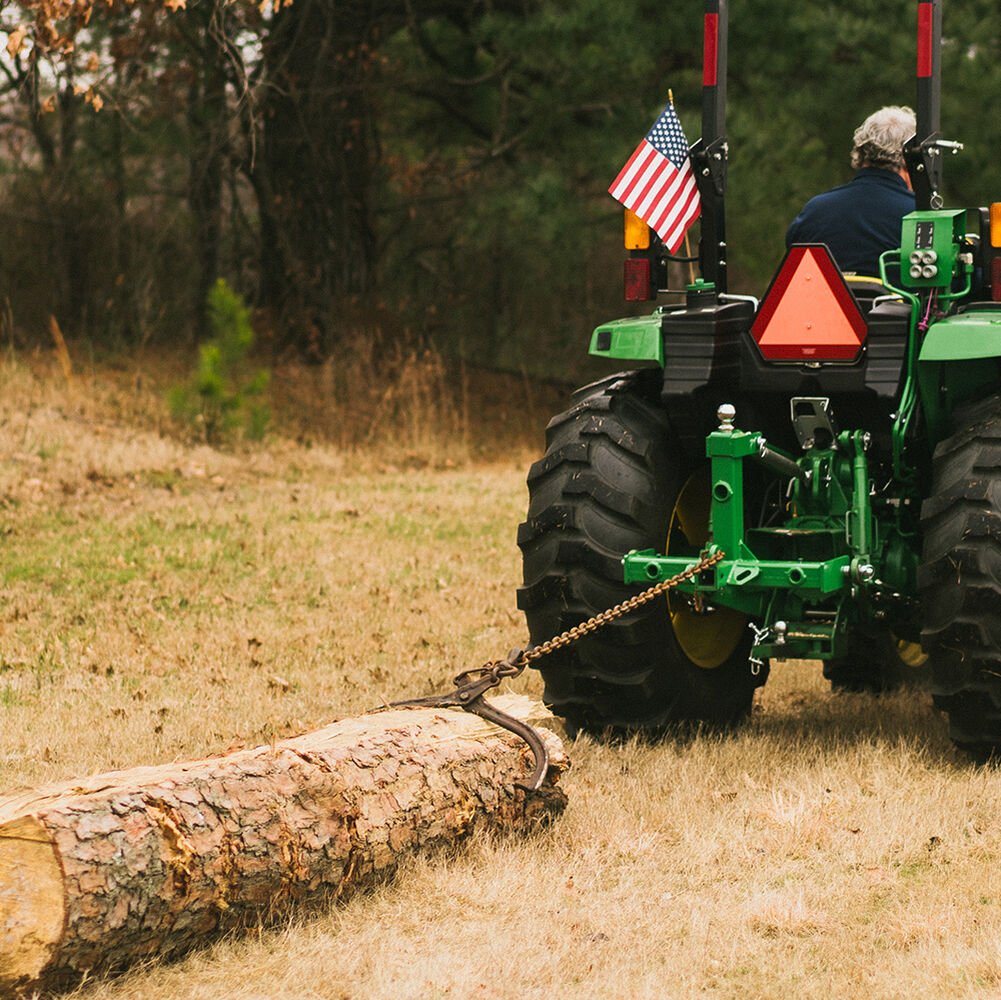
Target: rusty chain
column 604, row 617
column 471, row 685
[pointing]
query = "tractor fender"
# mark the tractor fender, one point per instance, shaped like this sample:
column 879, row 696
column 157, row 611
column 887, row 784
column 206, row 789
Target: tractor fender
column 964, row 337
column 636, row 338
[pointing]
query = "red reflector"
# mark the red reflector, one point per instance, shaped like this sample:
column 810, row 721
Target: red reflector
column 808, row 313
column 637, row 274
column 996, row 279
column 710, row 50
column 925, row 12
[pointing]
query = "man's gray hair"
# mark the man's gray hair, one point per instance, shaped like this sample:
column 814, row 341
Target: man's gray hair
column 879, row 140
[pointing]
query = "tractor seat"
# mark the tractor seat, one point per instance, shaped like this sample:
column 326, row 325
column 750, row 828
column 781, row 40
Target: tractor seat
column 866, row 289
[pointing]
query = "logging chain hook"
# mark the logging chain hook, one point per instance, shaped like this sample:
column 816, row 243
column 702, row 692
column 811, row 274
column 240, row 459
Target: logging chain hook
column 471, row 685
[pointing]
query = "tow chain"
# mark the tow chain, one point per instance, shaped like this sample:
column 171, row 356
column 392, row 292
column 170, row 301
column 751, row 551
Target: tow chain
column 471, row 685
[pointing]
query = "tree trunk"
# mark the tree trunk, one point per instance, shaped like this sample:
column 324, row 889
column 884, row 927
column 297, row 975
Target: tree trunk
column 208, row 118
column 317, row 163
column 206, row 124
column 97, row 874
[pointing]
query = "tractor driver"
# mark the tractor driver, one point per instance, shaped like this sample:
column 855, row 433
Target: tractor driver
column 861, row 219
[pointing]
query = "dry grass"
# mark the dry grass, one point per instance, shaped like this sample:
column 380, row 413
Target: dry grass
column 162, row 601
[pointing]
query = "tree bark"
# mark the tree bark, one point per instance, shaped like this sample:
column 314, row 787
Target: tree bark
column 95, row 875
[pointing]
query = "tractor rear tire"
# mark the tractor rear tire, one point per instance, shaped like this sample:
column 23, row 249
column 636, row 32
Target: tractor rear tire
column 960, row 579
column 614, row 479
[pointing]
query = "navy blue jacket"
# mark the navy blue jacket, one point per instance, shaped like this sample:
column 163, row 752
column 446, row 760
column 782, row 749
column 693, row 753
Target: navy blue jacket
column 857, row 221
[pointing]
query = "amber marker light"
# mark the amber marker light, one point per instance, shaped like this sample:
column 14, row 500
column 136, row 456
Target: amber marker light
column 996, row 224
column 636, row 233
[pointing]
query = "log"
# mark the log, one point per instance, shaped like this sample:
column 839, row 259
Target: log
column 97, row 874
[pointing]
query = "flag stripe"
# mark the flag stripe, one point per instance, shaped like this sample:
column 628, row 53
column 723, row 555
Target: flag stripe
column 692, row 210
column 639, row 175
column 643, row 196
column 664, row 192
column 664, row 219
column 627, row 175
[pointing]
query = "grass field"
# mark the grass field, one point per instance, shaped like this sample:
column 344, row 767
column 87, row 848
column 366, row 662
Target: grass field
column 163, row 600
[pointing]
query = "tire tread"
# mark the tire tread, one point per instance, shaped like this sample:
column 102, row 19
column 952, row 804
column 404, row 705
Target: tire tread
column 960, row 578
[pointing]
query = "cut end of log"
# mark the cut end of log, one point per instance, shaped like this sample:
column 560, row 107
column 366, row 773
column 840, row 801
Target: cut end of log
column 32, row 907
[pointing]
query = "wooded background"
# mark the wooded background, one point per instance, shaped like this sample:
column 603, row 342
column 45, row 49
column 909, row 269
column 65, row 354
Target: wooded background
column 372, row 169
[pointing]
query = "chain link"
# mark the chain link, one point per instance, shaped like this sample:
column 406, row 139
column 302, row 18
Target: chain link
column 604, row 617
column 518, row 659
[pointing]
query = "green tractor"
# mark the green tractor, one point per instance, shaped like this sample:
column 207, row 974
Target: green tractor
column 859, row 521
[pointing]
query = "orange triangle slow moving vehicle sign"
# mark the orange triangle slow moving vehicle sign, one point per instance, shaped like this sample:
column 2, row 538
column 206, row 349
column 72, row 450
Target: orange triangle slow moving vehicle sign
column 808, row 313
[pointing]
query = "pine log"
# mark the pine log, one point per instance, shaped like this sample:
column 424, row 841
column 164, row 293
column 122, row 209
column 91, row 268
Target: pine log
column 97, row 874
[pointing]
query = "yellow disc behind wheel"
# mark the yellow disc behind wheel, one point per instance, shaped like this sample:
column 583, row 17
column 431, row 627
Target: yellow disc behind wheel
column 910, row 653
column 707, row 638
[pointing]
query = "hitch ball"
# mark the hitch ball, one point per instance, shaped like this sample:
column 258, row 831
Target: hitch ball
column 725, row 414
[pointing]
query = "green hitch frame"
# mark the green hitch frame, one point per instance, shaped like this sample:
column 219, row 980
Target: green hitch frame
column 798, row 599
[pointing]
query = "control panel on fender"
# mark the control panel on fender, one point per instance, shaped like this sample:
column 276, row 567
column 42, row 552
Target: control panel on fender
column 930, row 244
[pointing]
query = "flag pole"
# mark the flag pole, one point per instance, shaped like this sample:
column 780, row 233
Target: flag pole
column 688, row 245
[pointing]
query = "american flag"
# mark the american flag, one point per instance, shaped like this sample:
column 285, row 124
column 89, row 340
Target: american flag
column 658, row 184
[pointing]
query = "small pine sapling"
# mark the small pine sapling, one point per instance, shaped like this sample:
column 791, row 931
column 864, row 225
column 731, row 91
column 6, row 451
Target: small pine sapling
column 224, row 397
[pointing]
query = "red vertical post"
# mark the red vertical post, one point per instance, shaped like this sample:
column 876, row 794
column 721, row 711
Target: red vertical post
column 709, row 154
column 924, row 165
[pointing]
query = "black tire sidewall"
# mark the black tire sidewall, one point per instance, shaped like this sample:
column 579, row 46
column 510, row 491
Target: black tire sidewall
column 594, row 683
